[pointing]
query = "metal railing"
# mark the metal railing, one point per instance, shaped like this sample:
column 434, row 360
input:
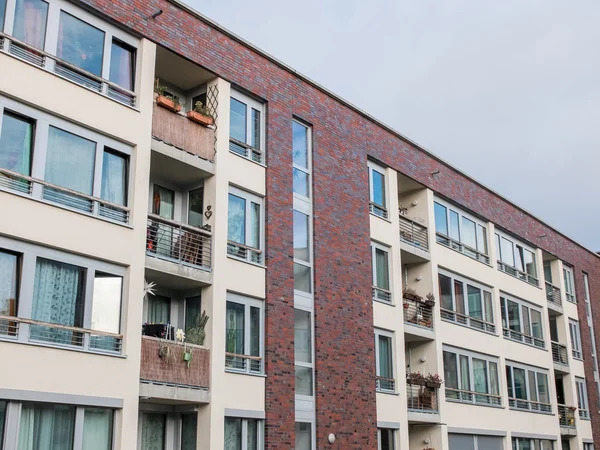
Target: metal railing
column 584, row 414
column 64, row 69
column 553, row 295
column 513, row 271
column 529, row 405
column 413, row 233
column 28, row 330
column 382, row 294
column 184, row 244
column 462, row 248
column 52, row 193
column 383, row 384
column 570, row 297
column 566, row 416
column 559, row 354
column 468, row 321
column 243, row 363
column 418, row 313
column 521, row 337
column 378, row 210
column 480, row 398
column 245, row 252
column 422, row 399
column 246, row 150
column 576, row 353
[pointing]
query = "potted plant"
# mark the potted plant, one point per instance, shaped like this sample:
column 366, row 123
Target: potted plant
column 416, row 378
column 200, row 114
column 196, row 334
column 410, row 294
column 433, row 380
column 429, row 299
column 166, row 101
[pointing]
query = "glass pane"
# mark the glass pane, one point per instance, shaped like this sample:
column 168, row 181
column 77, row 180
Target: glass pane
column 114, row 178
column 30, row 22
column 445, row 285
column 542, row 385
column 386, row 368
column 196, row 207
column 254, row 236
column 459, row 298
column 106, row 303
column 163, row 202
column 454, row 227
column 233, row 434
column 159, row 309
column 236, row 225
column 235, row 328
column 192, row 314
column 489, row 311
column 303, row 436
column 97, row 429
column 122, row 60
column 2, row 12
column 16, row 144
column 475, row 306
column 378, row 181
column 547, row 272
column 302, row 336
column 300, row 144
column 255, row 132
column 481, row 239
column 300, row 182
column 461, row 441
column 494, row 385
column 506, row 249
column 153, row 431
column 237, row 120
column 509, row 382
column 536, row 324
column 513, row 316
column 80, row 44
column 526, row 322
column 255, row 331
column 532, row 386
column 519, row 258
column 520, row 384
column 70, row 161
column 381, row 269
column 441, row 219
column 189, row 426
column 498, row 249
column 450, row 370
column 301, row 250
column 468, row 233
column 45, row 426
column 9, row 265
column 3, row 416
column 465, row 381
column 489, row 443
column 304, row 385
column 302, row 281
column 480, row 376
column 529, row 261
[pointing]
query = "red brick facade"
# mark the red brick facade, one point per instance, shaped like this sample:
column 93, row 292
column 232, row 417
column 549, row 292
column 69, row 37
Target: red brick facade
column 343, row 139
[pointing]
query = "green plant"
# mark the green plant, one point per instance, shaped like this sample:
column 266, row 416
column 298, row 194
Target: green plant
column 201, row 108
column 197, row 333
column 158, row 88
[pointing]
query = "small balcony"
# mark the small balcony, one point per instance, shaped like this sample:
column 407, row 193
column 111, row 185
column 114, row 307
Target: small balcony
column 554, row 299
column 165, row 376
column 418, row 318
column 422, row 402
column 514, row 272
column 458, row 246
column 566, row 420
column 529, row 405
column 524, row 338
column 560, row 357
column 467, row 321
column 413, row 233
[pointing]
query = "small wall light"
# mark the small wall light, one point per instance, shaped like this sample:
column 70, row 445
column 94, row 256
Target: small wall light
column 415, row 202
column 435, row 172
column 331, row 438
column 157, row 13
column 419, row 278
column 426, row 440
column 423, row 359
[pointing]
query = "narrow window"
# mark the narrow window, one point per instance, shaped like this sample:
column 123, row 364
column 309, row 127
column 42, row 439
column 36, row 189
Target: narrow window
column 300, row 149
column 378, row 205
column 98, row 428
column 303, row 352
column 154, row 430
column 9, row 290
column 122, row 65
column 385, row 362
column 196, row 207
column 16, row 144
column 106, row 309
column 159, row 309
column 441, row 219
column 189, row 431
column 303, row 436
column 114, row 177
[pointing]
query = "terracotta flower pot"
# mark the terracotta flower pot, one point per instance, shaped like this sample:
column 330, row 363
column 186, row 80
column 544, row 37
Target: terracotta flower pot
column 199, row 118
column 168, row 103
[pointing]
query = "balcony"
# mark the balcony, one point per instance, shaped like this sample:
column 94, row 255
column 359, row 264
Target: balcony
column 467, row 321
column 514, row 272
column 471, row 397
column 560, row 357
column 554, row 298
column 418, row 318
column 422, row 402
column 413, row 233
column 166, row 377
column 529, row 405
column 566, row 420
column 458, row 246
column 524, row 338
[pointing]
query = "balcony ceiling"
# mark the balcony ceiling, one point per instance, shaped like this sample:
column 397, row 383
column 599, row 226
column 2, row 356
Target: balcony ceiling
column 406, row 184
column 178, row 71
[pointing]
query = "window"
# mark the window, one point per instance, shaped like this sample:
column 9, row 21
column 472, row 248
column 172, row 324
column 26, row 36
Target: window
column 98, row 428
column 9, row 290
column 384, row 358
column 122, row 65
column 385, row 439
column 2, row 421
column 245, row 226
column 301, row 156
column 154, row 431
column 377, row 188
column 80, row 44
column 527, row 388
column 243, row 434
column 471, row 377
column 381, row 273
column 46, row 425
column 244, row 334
column 2, row 12
column 466, row 302
column 575, row 334
column 159, row 309
column 588, row 446
column 582, row 398
column 16, row 144
column 303, row 436
column 460, row 231
column 532, row 444
column 165, row 431
column 246, row 128
column 516, row 259
column 475, row 442
column 106, row 309
column 189, row 431
column 302, row 254
column 586, row 292
column 569, row 284
column 521, row 321
column 192, row 312
column 31, row 17
column 196, row 207
column 303, row 352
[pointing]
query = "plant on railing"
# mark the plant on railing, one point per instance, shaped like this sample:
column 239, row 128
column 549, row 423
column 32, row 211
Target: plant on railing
column 201, row 114
column 197, row 333
column 403, row 210
column 433, row 380
column 430, row 299
column 164, row 99
column 410, row 294
column 416, row 378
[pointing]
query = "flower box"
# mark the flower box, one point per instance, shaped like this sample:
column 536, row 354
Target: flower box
column 199, row 118
column 167, row 102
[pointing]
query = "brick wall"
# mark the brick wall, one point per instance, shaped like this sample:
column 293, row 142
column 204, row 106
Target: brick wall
column 343, row 140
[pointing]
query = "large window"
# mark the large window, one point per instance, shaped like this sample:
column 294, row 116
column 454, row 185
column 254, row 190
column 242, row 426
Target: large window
column 246, row 127
column 569, row 284
column 527, row 388
column 381, row 272
column 521, row 321
column 460, row 231
column 466, row 302
column 532, row 444
column 303, row 352
column 471, row 377
column 516, row 259
column 163, row 431
column 582, row 398
column 384, row 359
column 80, row 44
column 244, row 335
column 243, row 434
column 245, row 226
column 575, row 333
column 377, row 191
column 475, row 442
column 386, row 439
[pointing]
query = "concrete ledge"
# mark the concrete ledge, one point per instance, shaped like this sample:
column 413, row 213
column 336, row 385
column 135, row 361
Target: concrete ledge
column 416, row 333
column 182, row 156
column 194, row 276
column 419, row 417
column 413, row 254
column 173, row 394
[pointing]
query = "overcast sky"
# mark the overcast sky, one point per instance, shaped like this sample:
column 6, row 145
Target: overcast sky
column 508, row 91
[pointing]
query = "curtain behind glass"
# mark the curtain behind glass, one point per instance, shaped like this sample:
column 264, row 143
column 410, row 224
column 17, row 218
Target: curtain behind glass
column 15, row 144
column 542, row 387
column 235, row 328
column 489, row 311
column 252, row 434
column 459, row 297
column 303, row 436
column 445, row 285
column 468, row 233
column 114, row 178
column 385, row 357
column 8, row 285
column 450, row 370
column 153, row 431
column 159, row 309
column 30, row 22
column 480, row 380
column 254, row 331
column 474, row 300
column 70, row 161
column 46, row 427
column 233, row 434
column 236, row 222
column 519, row 380
column 536, row 324
column 494, row 384
column 454, row 226
column 382, row 271
column 465, row 382
column 80, row 44
column 164, row 206
column 121, row 65
column 189, row 426
column 97, row 429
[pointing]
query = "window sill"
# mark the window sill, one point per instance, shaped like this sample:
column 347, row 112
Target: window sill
column 239, row 372
column 384, row 302
column 380, row 391
column 60, row 347
column 246, row 261
column 263, row 165
column 380, row 217
column 577, row 359
column 489, row 333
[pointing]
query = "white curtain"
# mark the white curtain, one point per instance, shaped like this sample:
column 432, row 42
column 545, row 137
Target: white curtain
column 153, row 431
column 114, row 176
column 97, row 429
column 164, row 202
column 236, row 224
column 233, row 434
column 46, row 427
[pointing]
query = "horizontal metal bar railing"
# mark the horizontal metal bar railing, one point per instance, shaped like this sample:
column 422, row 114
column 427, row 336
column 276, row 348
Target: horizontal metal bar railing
column 422, row 398
column 246, row 150
column 23, row 184
column 466, row 396
column 381, row 294
column 184, row 244
column 462, row 248
column 244, row 363
column 566, row 416
column 413, row 233
column 584, row 414
column 559, row 354
column 378, row 210
column 521, row 337
column 40, row 58
column 471, row 322
column 513, row 271
column 418, row 313
column 530, row 405
column 245, row 252
column 385, row 384
column 570, row 297
column 553, row 295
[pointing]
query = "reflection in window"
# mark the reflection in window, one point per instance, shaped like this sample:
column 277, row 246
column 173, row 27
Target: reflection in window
column 237, row 121
column 30, row 22
column 302, row 281
column 303, row 436
column 304, row 385
column 301, row 236
column 114, row 178
column 106, row 303
column 122, row 60
column 300, row 153
column 441, row 220
column 80, row 44
column 300, row 182
column 16, row 144
column 378, row 186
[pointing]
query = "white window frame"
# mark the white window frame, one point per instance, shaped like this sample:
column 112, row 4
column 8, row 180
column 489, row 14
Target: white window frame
column 380, row 294
column 248, row 302
column 310, row 365
column 471, row 322
column 386, row 334
column 533, row 442
column 260, row 427
column 306, row 170
column 520, row 336
column 569, row 279
column 582, row 398
column 586, row 293
column 252, row 256
column 575, row 335
column 476, row 439
column 309, row 263
column 311, row 423
column 387, row 430
column 534, row 406
column 381, row 211
column 511, row 269
column 251, row 155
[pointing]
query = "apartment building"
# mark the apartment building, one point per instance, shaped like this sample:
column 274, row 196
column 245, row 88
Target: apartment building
column 338, row 286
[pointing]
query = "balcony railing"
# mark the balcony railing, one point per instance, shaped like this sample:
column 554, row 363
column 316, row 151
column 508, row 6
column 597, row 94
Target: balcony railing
column 422, row 399
column 559, row 354
column 570, row 297
column 468, row 321
column 529, row 405
column 478, row 398
column 584, row 414
column 525, row 338
column 576, row 353
column 418, row 313
column 57, row 195
column 10, row 45
column 383, row 384
column 462, row 248
column 246, row 150
column 513, row 271
column 243, row 363
column 413, row 233
column 241, row 251
column 177, row 242
column 383, row 295
column 57, row 335
column 553, row 295
column 566, row 416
